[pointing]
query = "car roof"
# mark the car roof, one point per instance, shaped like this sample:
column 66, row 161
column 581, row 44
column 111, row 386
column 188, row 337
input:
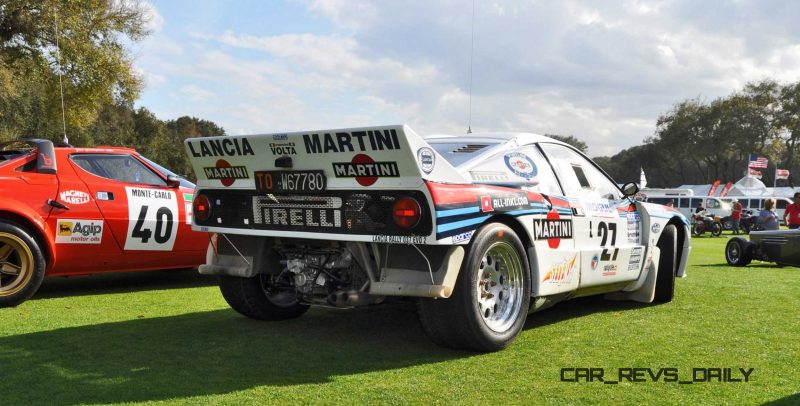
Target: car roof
column 97, row 150
column 518, row 138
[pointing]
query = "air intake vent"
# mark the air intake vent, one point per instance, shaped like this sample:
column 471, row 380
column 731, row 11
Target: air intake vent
column 469, row 148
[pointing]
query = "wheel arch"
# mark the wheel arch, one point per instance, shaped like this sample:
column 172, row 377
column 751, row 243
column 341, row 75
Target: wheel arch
column 37, row 230
column 683, row 235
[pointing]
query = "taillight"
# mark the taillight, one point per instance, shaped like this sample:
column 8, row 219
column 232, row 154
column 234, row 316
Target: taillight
column 201, row 208
column 406, row 212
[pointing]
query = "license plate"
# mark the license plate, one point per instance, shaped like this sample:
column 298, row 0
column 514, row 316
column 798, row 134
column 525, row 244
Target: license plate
column 290, row 181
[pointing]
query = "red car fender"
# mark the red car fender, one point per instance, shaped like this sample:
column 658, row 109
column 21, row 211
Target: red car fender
column 19, row 209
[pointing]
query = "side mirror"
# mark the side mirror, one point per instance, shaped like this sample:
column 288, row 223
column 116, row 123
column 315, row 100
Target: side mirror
column 173, row 181
column 629, row 189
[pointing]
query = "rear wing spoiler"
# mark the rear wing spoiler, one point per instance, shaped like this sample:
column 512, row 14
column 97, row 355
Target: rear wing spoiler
column 45, row 154
column 382, row 157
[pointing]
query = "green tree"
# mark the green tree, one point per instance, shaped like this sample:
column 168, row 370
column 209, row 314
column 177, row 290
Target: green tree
column 91, row 58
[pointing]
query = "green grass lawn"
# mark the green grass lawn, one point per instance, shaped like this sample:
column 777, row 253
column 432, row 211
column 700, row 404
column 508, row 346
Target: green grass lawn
column 169, row 337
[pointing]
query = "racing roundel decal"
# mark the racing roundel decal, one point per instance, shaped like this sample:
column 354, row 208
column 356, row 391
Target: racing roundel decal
column 595, row 261
column 552, row 228
column 426, row 159
column 519, row 164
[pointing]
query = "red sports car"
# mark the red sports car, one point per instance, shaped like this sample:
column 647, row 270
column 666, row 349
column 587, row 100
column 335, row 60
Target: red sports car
column 76, row 211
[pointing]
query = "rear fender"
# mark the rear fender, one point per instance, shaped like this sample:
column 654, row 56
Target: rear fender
column 17, row 212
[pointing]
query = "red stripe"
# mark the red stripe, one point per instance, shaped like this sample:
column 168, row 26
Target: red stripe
column 443, row 193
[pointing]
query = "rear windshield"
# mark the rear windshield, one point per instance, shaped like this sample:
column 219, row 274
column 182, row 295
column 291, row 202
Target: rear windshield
column 456, row 153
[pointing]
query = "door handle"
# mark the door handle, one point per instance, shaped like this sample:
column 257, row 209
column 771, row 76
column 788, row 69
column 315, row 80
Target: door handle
column 57, row 204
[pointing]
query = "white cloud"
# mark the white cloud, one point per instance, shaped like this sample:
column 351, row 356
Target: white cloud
column 600, row 71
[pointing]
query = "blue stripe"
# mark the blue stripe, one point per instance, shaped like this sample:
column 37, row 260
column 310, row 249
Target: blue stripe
column 460, row 224
column 457, row 212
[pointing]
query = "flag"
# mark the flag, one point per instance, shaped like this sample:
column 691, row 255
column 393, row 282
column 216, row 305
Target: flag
column 713, row 188
column 757, row 162
column 642, row 180
column 781, row 174
column 754, row 173
column 726, row 189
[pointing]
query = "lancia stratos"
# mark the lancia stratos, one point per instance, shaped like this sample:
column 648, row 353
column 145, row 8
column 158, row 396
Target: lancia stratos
column 481, row 229
column 68, row 211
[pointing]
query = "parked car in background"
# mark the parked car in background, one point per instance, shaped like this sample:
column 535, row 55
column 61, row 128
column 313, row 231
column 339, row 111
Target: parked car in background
column 75, row 211
column 779, row 246
column 714, row 206
column 482, row 228
column 755, row 205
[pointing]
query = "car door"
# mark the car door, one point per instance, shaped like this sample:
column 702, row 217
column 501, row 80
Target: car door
column 141, row 210
column 607, row 226
column 553, row 257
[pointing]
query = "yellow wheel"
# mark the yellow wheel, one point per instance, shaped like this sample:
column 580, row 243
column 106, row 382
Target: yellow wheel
column 21, row 265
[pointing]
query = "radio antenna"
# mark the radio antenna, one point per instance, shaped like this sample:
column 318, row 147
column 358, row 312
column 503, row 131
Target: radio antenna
column 60, row 82
column 471, row 57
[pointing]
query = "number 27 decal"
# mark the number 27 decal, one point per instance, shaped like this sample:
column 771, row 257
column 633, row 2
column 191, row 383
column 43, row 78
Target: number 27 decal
column 604, row 230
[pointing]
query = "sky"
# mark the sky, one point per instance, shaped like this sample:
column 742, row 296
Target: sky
column 602, row 71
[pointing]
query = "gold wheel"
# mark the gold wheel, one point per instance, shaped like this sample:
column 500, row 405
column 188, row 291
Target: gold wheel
column 16, row 264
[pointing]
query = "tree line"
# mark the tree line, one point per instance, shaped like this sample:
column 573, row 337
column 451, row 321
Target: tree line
column 79, row 48
column 698, row 142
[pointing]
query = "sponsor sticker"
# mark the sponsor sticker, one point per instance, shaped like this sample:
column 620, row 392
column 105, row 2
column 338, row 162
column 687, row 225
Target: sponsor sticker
column 463, row 237
column 280, row 137
column 400, row 239
column 75, row 197
column 552, row 229
column 635, row 262
column 282, row 148
column 600, row 208
column 320, row 215
column 188, row 197
column 561, row 272
column 152, row 219
column 595, row 261
column 104, row 196
column 655, row 228
column 520, row 165
column 609, row 270
column 225, row 173
column 225, row 146
column 74, row 231
column 486, row 204
column 426, row 159
column 357, row 141
column 486, row 176
column 365, row 170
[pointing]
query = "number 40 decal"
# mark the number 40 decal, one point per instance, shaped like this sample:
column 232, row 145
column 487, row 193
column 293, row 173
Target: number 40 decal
column 152, row 219
column 163, row 226
column 603, row 231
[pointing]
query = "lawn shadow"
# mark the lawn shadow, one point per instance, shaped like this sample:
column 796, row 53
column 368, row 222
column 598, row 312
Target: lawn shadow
column 788, row 400
column 121, row 282
column 208, row 353
column 580, row 307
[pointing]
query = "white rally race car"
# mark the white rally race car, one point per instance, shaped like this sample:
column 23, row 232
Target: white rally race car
column 482, row 228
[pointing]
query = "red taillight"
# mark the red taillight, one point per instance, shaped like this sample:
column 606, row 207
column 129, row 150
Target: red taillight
column 406, row 212
column 201, row 208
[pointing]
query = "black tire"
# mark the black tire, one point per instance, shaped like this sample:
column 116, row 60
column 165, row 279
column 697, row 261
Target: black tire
column 22, row 264
column 727, row 224
column 667, row 264
column 716, row 230
column 698, row 229
column 255, row 298
column 738, row 252
column 469, row 318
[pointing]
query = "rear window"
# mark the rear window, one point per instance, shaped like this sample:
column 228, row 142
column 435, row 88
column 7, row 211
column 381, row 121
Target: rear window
column 456, row 153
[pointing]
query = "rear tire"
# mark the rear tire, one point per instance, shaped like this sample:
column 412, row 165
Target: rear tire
column 490, row 302
column 22, row 265
column 256, row 298
column 738, row 252
column 665, row 279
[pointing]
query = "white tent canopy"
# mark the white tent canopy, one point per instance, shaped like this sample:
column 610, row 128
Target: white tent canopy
column 746, row 186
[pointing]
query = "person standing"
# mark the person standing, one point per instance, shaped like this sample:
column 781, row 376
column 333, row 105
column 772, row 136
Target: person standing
column 791, row 217
column 768, row 218
column 736, row 216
